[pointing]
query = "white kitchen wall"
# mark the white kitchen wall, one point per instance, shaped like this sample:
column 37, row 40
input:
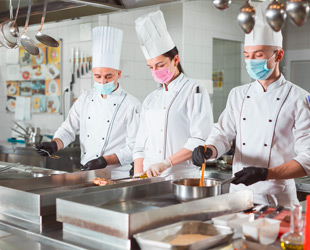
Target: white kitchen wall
column 226, row 58
column 296, row 42
column 202, row 23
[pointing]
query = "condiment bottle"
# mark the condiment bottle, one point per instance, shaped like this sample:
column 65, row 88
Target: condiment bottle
column 294, row 239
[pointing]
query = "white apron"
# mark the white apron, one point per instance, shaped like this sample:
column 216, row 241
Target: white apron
column 260, row 111
column 99, row 128
column 172, row 120
column 107, row 126
column 270, row 128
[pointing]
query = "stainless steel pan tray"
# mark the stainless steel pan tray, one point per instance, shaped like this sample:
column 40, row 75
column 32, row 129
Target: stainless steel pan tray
column 159, row 238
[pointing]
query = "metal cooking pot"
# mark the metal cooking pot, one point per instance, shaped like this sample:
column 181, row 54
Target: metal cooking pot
column 188, row 189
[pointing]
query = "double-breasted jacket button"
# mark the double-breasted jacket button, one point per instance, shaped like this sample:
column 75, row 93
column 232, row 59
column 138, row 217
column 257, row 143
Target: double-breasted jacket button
column 270, row 120
column 278, row 99
column 248, row 96
column 244, row 118
column 265, row 145
column 243, row 143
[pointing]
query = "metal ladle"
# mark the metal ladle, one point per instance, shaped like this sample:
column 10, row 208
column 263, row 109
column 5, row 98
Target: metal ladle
column 298, row 11
column 276, row 15
column 45, row 39
column 7, row 39
column 14, row 28
column 27, row 42
column 222, row 4
column 246, row 17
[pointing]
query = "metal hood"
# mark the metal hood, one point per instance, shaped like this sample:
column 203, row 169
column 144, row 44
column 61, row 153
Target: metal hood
column 68, row 9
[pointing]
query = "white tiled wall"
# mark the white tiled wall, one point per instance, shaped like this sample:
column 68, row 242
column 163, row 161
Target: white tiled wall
column 296, row 42
column 226, row 58
column 202, row 22
column 296, row 38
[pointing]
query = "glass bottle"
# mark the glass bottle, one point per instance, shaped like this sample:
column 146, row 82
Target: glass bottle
column 294, row 239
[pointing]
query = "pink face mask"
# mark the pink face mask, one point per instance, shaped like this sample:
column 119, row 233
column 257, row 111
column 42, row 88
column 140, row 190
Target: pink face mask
column 162, row 75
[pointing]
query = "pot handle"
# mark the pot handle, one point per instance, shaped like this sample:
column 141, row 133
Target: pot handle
column 228, row 180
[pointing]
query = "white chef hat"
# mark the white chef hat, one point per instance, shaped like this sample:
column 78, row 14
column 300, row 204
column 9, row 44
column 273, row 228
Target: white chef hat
column 153, row 34
column 107, row 46
column 262, row 34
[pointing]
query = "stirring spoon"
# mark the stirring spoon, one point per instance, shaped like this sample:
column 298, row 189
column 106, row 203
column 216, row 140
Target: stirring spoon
column 203, row 170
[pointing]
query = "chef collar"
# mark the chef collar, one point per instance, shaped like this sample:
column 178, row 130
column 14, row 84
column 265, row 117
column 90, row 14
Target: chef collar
column 276, row 84
column 174, row 85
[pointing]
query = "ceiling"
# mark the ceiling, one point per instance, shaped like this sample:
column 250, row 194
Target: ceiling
column 68, row 9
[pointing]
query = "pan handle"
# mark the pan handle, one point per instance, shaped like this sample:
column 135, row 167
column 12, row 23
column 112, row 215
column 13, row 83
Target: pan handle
column 228, row 180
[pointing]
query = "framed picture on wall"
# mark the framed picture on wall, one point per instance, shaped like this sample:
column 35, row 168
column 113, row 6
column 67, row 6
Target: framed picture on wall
column 39, row 78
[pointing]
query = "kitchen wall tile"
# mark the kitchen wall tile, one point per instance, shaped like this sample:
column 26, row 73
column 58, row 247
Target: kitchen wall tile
column 130, row 33
column 64, row 32
column 5, row 133
column 128, row 51
column 85, row 85
column 2, row 89
column 2, row 105
column 74, row 33
column 139, row 54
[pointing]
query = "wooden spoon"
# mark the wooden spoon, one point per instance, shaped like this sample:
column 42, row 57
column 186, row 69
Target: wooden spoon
column 203, row 170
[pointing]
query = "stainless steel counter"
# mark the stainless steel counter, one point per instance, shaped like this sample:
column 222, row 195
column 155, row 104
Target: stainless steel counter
column 20, row 153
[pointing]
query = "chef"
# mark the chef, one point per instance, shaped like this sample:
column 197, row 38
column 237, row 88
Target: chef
column 269, row 118
column 106, row 116
column 177, row 116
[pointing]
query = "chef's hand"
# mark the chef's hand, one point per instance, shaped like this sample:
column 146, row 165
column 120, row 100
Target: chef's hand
column 50, row 147
column 95, row 164
column 199, row 155
column 250, row 175
column 157, row 169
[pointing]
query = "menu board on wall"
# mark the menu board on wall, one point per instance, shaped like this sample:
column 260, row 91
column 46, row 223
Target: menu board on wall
column 39, row 79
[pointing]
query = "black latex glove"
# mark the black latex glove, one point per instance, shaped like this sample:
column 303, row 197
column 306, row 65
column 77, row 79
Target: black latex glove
column 50, row 147
column 250, row 175
column 199, row 155
column 95, row 164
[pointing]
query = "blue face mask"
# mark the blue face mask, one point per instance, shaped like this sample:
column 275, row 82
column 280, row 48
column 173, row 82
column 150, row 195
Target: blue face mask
column 104, row 89
column 257, row 68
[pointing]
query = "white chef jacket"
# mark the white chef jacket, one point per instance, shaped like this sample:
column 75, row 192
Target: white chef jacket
column 270, row 128
column 107, row 126
column 172, row 120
